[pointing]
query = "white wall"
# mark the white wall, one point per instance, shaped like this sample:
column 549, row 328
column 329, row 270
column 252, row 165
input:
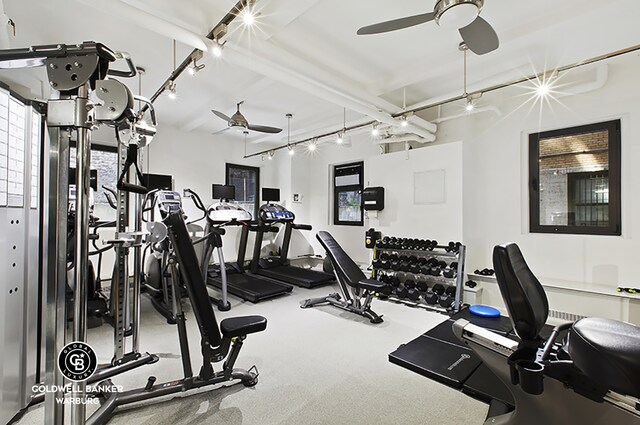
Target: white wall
column 311, row 176
column 496, row 184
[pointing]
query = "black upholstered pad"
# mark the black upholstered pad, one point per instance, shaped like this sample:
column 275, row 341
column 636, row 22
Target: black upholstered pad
column 244, row 325
column 608, row 351
column 340, row 260
column 523, row 294
column 371, row 284
column 190, row 273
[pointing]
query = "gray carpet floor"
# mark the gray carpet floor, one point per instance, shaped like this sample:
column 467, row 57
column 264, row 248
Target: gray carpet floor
column 317, row 366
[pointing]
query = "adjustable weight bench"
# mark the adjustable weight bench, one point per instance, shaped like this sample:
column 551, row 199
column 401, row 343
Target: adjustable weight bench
column 357, row 290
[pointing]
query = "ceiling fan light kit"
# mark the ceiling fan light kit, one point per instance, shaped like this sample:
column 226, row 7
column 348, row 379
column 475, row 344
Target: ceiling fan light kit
column 239, row 122
column 461, row 14
column 457, row 13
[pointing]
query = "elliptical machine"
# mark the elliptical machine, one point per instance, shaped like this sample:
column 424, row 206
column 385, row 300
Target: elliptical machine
column 157, row 276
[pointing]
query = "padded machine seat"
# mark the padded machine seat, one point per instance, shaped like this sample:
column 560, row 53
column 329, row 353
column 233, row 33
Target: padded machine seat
column 607, row 351
column 370, row 284
column 244, row 325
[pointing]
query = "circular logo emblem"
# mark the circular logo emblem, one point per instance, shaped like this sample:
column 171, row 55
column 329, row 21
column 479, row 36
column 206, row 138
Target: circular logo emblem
column 77, row 361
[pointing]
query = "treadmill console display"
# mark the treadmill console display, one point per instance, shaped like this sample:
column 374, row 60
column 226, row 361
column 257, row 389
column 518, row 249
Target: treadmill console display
column 224, row 212
column 274, row 213
column 168, row 202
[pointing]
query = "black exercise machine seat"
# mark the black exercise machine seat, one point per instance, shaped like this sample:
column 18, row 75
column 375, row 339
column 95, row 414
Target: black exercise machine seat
column 197, row 290
column 523, row 294
column 345, row 266
column 236, row 326
column 605, row 350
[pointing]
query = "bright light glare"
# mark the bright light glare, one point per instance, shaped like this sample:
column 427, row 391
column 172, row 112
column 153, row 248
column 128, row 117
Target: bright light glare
column 217, row 50
column 543, row 89
column 291, row 151
column 192, row 70
column 340, row 139
column 248, row 17
column 404, row 122
column 375, row 132
column 172, row 95
column 470, row 107
column 312, row 146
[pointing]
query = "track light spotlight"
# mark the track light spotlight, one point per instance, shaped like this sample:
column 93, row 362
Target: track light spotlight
column 313, row 144
column 195, row 68
column 172, row 90
column 470, row 106
column 248, row 17
column 216, row 50
column 404, row 121
column 340, row 138
column 374, row 131
column 291, row 150
column 271, row 153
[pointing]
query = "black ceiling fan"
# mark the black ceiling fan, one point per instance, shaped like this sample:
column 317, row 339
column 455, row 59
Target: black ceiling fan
column 478, row 35
column 239, row 122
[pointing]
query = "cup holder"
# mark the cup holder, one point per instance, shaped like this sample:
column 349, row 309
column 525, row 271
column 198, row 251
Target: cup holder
column 530, row 376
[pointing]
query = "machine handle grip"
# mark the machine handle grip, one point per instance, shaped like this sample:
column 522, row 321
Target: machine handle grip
column 130, row 187
column 302, row 227
column 263, row 228
column 132, row 72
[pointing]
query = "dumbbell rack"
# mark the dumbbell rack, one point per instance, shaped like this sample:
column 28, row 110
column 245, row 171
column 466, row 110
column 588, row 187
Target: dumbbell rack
column 438, row 252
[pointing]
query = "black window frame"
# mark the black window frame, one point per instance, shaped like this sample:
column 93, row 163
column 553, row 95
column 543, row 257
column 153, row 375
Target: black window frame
column 256, row 203
column 615, row 210
column 110, row 149
column 337, row 189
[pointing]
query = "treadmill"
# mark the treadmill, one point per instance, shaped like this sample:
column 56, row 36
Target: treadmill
column 250, row 287
column 279, row 268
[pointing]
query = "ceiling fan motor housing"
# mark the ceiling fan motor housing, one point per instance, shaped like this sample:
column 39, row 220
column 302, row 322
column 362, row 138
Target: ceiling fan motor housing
column 238, row 120
column 457, row 13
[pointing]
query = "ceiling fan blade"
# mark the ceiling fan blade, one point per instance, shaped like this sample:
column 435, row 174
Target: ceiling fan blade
column 396, row 24
column 221, row 115
column 221, row 131
column 480, row 37
column 264, row 129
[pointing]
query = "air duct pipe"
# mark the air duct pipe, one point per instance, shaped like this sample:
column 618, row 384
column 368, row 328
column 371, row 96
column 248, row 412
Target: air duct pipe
column 151, row 22
column 475, row 111
column 402, row 139
column 602, row 75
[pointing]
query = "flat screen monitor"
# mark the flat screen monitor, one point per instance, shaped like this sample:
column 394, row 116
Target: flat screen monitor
column 270, row 195
column 158, row 181
column 93, row 179
column 221, row 191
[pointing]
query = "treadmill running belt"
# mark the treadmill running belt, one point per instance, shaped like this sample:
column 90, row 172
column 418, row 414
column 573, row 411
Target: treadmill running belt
column 306, row 278
column 251, row 288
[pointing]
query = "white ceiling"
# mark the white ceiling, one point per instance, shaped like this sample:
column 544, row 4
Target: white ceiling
column 303, row 57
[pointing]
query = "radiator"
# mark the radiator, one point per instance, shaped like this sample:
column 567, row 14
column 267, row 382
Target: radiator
column 565, row 316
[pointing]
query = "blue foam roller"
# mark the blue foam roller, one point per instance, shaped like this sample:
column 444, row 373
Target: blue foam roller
column 484, row 311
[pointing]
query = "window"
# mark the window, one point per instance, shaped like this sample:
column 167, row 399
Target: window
column 247, row 182
column 574, row 175
column 347, row 194
column 104, row 159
